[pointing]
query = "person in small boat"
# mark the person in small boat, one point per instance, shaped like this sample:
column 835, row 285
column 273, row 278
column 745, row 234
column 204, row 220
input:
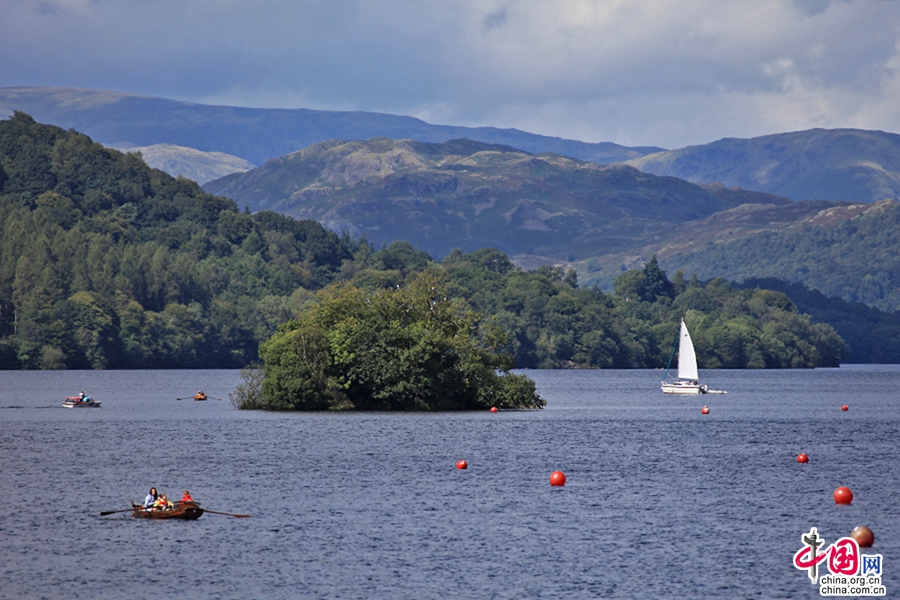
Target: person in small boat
column 151, row 498
column 186, row 498
column 162, row 503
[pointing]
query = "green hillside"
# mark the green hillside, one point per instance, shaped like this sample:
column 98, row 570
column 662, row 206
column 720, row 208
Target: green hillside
column 818, row 164
column 258, row 134
column 106, row 263
column 472, row 195
column 856, row 259
column 724, row 226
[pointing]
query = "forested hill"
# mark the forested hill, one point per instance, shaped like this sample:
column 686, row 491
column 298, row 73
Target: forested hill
column 857, row 259
column 107, row 263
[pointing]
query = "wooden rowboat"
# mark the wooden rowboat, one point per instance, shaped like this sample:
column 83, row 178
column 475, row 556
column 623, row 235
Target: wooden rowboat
column 200, row 396
column 181, row 510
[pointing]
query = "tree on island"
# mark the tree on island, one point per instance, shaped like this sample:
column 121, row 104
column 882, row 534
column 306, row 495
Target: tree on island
column 405, row 348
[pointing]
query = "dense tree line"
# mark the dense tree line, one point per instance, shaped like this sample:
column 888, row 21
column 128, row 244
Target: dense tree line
column 553, row 323
column 407, row 338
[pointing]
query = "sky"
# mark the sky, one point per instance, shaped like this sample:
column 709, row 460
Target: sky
column 668, row 73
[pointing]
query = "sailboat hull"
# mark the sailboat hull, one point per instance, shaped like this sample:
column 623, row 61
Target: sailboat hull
column 682, row 387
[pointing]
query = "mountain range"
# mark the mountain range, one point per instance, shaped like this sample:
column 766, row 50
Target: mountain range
column 762, row 207
column 818, row 164
column 258, row 134
column 469, row 195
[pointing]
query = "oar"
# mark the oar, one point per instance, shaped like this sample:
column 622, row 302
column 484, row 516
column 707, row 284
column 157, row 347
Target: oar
column 188, row 398
column 112, row 512
column 215, row 512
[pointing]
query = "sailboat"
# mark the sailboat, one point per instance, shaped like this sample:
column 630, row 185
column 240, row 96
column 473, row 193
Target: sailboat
column 688, row 380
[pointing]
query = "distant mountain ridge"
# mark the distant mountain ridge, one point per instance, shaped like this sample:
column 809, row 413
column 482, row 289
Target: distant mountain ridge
column 258, row 134
column 818, row 164
column 472, row 195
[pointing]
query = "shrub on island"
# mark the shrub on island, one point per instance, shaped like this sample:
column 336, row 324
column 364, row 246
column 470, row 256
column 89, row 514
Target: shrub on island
column 406, row 348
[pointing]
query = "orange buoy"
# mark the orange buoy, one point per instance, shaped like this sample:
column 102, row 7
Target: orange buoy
column 461, row 464
column 802, row 458
column 845, row 407
column 705, row 410
column 493, row 409
column 863, row 536
column 843, row 495
column 557, row 478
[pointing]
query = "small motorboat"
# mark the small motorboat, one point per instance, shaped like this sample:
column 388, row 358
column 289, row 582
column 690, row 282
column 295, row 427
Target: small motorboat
column 181, row 510
column 79, row 402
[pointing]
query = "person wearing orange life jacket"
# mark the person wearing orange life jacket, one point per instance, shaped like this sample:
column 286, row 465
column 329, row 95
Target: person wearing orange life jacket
column 186, row 498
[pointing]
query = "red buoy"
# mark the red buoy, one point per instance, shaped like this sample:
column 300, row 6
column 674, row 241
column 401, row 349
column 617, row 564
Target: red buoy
column 705, row 410
column 461, row 464
column 493, row 409
column 802, row 458
column 843, row 495
column 557, row 478
column 845, row 407
column 863, row 536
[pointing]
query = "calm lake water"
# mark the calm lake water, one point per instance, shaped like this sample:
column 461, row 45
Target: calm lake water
column 661, row 501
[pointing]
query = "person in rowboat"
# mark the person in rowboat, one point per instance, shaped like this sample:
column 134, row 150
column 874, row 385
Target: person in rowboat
column 151, row 498
column 187, row 497
column 162, row 503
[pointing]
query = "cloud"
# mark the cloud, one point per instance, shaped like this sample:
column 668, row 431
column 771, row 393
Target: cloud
column 631, row 71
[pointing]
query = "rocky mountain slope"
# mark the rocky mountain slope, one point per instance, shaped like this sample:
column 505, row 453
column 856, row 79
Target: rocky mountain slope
column 473, row 195
column 188, row 162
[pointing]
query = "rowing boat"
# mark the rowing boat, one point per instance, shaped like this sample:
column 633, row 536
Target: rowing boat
column 181, row 510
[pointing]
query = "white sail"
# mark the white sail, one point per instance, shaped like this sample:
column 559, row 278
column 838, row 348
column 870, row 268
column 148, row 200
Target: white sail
column 687, row 359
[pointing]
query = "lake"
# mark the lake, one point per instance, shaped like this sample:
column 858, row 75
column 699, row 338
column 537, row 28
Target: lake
column 661, row 501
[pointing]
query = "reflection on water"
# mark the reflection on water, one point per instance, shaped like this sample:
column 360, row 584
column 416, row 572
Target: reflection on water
column 660, row 501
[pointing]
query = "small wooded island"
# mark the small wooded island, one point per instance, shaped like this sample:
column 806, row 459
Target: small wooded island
column 403, row 348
